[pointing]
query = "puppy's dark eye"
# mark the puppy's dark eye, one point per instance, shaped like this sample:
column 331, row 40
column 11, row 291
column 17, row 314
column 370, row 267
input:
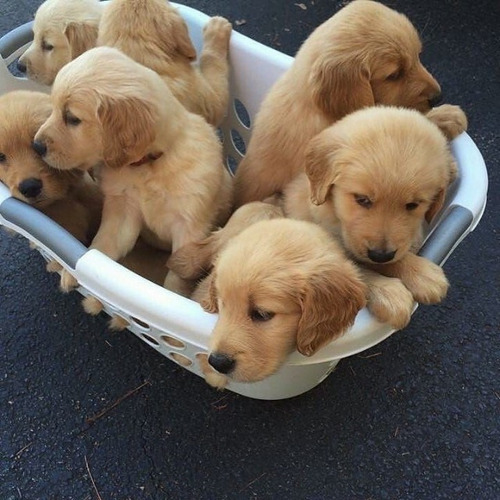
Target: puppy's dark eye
column 396, row 75
column 363, row 201
column 47, row 47
column 72, row 120
column 260, row 315
column 2, row 157
column 411, row 206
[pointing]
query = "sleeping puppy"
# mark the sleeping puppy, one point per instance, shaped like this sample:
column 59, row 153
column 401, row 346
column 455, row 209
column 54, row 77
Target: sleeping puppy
column 365, row 54
column 63, row 29
column 278, row 286
column 153, row 33
column 376, row 178
column 69, row 197
column 161, row 167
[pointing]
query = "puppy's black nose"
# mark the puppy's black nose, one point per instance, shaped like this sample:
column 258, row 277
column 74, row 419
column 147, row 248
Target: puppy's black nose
column 221, row 362
column 31, row 187
column 21, row 66
column 436, row 100
column 39, row 147
column 380, row 256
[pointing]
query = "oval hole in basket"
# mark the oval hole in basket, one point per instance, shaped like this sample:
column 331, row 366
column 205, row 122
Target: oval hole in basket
column 232, row 164
column 241, row 113
column 149, row 339
column 140, row 324
column 180, row 358
column 173, row 342
column 238, row 142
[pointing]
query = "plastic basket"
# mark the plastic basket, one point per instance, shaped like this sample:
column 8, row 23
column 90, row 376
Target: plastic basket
column 157, row 315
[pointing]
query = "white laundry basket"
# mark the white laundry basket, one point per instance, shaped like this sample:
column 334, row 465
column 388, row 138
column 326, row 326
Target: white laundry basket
column 158, row 316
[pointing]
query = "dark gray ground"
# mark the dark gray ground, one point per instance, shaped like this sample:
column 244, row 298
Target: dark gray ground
column 415, row 417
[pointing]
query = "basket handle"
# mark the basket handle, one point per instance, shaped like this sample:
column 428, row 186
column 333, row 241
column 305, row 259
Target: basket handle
column 450, row 231
column 15, row 39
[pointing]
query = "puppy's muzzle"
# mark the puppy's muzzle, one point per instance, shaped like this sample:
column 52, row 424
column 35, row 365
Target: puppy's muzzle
column 39, row 147
column 436, row 100
column 221, row 362
column 30, row 188
column 380, row 256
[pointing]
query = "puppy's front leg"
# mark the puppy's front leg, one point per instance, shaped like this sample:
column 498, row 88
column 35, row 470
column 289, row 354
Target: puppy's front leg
column 118, row 232
column 120, row 227
column 388, row 299
column 425, row 280
column 450, row 119
column 214, row 67
column 182, row 236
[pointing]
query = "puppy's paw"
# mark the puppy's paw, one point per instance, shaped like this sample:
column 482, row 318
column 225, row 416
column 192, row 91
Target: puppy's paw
column 92, row 305
column 390, row 302
column 216, row 34
column 117, row 323
column 53, row 266
column 176, row 284
column 426, row 281
column 450, row 119
column 213, row 378
column 68, row 281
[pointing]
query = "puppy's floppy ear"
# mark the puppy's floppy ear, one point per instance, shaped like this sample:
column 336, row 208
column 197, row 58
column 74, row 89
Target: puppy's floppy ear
column 321, row 167
column 209, row 299
column 436, row 205
column 340, row 84
column 182, row 40
column 330, row 301
column 193, row 259
column 174, row 35
column 451, row 173
column 128, row 129
column 81, row 37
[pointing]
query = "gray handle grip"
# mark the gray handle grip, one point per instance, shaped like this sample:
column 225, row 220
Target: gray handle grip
column 446, row 235
column 44, row 230
column 16, row 38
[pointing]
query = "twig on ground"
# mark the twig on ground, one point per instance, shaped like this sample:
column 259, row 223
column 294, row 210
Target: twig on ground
column 92, row 479
column 369, row 355
column 19, row 453
column 94, row 418
column 251, row 482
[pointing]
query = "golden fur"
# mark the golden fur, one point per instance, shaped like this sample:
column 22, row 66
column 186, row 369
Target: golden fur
column 375, row 178
column 278, row 286
column 153, row 33
column 71, row 197
column 195, row 259
column 365, row 54
column 161, row 167
column 63, row 29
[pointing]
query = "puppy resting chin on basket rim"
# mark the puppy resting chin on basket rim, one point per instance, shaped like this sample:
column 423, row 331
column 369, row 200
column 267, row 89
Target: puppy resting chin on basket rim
column 278, row 286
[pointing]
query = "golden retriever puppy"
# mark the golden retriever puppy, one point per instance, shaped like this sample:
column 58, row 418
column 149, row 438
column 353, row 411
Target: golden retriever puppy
column 365, row 54
column 69, row 197
column 63, row 29
column 153, row 33
column 375, row 178
column 194, row 260
column 161, row 168
column 278, row 286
